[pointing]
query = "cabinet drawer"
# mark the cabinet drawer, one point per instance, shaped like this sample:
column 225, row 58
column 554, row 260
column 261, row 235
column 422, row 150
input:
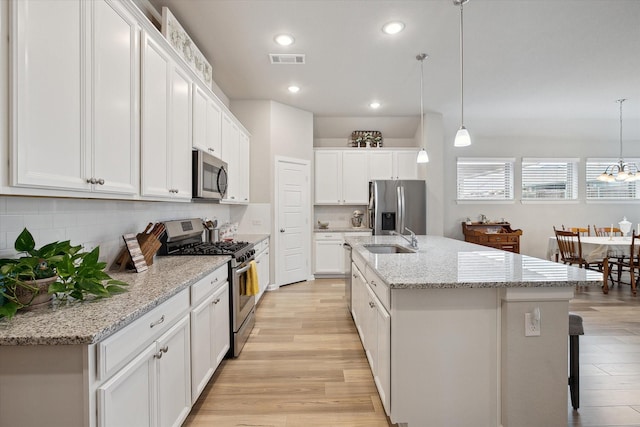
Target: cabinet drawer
column 115, row 351
column 261, row 246
column 205, row 286
column 328, row 236
column 379, row 287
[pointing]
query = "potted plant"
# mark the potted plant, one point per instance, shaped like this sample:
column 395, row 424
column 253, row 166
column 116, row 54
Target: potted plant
column 57, row 268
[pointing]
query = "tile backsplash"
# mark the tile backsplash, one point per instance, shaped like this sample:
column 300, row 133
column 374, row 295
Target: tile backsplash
column 91, row 222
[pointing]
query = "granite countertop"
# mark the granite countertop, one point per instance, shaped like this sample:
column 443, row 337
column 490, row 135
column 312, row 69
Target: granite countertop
column 340, row 229
column 442, row 262
column 252, row 238
column 93, row 320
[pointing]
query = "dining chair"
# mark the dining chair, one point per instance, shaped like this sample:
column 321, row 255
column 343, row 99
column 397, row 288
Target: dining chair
column 583, row 231
column 570, row 250
column 605, row 231
column 633, row 262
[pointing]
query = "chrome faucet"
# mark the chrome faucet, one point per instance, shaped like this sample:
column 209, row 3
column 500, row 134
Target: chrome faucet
column 413, row 241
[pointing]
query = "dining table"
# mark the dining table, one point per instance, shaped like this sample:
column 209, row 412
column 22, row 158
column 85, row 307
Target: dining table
column 599, row 249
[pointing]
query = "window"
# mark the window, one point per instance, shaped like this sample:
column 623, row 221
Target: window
column 485, row 179
column 549, row 179
column 598, row 190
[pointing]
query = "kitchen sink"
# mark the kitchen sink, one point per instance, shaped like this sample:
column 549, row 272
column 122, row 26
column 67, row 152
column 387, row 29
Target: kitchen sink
column 388, row 249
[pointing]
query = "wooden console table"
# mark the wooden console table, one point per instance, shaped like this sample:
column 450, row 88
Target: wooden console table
column 496, row 235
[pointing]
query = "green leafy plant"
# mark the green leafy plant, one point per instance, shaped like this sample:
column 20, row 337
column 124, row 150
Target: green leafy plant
column 79, row 274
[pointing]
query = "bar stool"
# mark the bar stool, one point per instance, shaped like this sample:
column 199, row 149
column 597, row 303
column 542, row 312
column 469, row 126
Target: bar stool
column 575, row 330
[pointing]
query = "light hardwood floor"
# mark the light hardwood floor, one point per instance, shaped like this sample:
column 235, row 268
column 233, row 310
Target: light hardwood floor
column 304, row 366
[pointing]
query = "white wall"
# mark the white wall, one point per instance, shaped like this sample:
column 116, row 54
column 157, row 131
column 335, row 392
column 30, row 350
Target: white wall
column 535, row 220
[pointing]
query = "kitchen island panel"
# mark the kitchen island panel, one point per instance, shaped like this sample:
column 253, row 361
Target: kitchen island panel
column 445, row 357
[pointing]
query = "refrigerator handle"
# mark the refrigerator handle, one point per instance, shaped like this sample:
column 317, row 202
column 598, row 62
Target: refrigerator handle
column 403, row 213
column 399, row 209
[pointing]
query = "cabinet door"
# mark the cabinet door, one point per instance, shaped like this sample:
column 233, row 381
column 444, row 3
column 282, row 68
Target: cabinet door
column 358, row 299
column 221, row 326
column 262, row 261
column 199, row 132
column 231, row 155
column 243, row 168
column 381, row 165
column 406, row 166
column 155, row 124
column 48, row 89
column 173, row 371
column 180, row 158
column 382, row 376
column 214, row 128
column 328, row 180
column 355, row 180
column 128, row 398
column 202, row 358
column 329, row 257
column 370, row 330
column 115, row 79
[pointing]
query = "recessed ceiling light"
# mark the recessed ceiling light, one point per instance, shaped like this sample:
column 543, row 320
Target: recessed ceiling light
column 294, row 89
column 284, row 39
column 393, row 27
column 374, row 105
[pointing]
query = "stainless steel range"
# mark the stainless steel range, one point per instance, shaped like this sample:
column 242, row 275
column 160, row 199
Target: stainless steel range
column 185, row 237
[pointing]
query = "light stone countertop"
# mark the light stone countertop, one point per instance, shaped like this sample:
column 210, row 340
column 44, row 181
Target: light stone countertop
column 252, row 238
column 340, row 229
column 442, row 262
column 91, row 321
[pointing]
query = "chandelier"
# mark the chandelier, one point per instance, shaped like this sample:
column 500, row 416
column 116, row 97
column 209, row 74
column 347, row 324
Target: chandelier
column 620, row 171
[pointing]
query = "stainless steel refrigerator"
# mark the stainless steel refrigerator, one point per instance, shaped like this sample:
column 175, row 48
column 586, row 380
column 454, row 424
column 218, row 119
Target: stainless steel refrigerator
column 395, row 205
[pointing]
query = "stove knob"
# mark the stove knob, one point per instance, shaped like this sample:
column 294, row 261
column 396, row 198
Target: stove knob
column 241, row 259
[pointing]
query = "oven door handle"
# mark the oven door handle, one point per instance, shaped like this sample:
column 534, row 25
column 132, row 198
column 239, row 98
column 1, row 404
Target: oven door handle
column 243, row 269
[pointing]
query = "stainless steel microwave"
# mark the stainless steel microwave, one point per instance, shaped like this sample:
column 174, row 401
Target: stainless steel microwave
column 209, row 176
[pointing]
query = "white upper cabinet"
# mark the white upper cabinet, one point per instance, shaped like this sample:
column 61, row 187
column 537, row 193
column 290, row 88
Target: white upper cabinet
column 341, row 177
column 235, row 152
column 207, row 122
column 166, row 125
column 393, row 164
column 75, row 96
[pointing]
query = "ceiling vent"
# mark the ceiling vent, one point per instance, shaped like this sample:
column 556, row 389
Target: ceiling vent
column 287, row 58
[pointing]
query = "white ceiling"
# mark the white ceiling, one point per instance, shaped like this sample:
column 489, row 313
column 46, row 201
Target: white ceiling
column 534, row 67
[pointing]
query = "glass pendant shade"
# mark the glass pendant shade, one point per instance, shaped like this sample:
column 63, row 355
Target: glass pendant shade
column 463, row 139
column 423, row 157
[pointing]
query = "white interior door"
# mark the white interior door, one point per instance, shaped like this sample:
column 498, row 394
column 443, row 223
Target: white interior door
column 292, row 226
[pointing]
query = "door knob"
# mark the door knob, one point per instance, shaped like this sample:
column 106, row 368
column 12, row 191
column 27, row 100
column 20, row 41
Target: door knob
column 282, row 230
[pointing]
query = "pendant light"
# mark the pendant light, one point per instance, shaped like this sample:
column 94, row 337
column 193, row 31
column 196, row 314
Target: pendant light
column 463, row 138
column 423, row 157
column 621, row 171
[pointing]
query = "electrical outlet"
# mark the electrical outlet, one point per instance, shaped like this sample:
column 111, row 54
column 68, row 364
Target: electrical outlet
column 532, row 324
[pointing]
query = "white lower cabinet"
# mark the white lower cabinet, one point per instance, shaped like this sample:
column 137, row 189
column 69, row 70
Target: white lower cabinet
column 262, row 261
column 154, row 388
column 373, row 323
column 330, row 255
column 210, row 331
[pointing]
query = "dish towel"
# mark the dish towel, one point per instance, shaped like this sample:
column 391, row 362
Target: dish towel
column 251, row 287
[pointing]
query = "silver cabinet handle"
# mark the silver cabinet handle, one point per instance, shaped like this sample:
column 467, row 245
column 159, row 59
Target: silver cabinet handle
column 158, row 355
column 164, row 349
column 157, row 322
column 214, row 280
column 100, row 181
column 210, row 149
column 217, row 300
column 282, row 230
column 373, row 283
column 371, row 304
column 91, row 180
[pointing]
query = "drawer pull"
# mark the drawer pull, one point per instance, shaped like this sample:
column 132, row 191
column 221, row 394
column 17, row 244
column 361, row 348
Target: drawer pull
column 214, row 280
column 217, row 300
column 157, row 322
column 164, row 349
column 371, row 304
column 158, row 355
column 373, row 283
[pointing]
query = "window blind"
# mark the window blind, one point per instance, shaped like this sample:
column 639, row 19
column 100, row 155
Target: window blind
column 549, row 179
column 485, row 179
column 598, row 190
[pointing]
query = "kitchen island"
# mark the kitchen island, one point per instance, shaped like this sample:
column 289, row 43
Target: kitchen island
column 444, row 331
